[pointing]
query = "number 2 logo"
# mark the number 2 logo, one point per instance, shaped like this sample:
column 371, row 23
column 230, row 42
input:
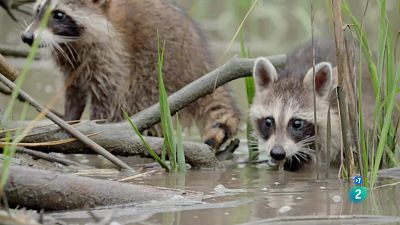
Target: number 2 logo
column 358, row 194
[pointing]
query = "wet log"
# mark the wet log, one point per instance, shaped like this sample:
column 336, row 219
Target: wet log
column 234, row 69
column 117, row 142
column 113, row 136
column 40, row 189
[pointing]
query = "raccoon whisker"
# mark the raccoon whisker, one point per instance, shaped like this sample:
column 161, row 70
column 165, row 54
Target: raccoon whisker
column 52, row 50
column 63, row 53
column 308, row 139
column 302, row 155
column 296, row 157
column 71, row 50
column 289, row 160
column 61, row 39
column 307, row 150
column 306, row 145
column 23, row 24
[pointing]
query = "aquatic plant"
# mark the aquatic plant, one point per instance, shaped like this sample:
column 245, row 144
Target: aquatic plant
column 379, row 146
column 173, row 141
column 250, row 92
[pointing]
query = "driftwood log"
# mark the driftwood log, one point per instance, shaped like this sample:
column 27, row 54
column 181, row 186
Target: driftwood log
column 117, row 137
column 40, row 189
column 117, row 142
column 234, row 69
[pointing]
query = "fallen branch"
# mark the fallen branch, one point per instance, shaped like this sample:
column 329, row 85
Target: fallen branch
column 114, row 136
column 50, row 158
column 234, row 69
column 40, row 189
column 7, row 70
column 118, row 142
column 64, row 125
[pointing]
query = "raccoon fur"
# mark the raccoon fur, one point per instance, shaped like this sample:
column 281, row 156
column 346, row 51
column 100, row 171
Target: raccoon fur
column 282, row 112
column 107, row 51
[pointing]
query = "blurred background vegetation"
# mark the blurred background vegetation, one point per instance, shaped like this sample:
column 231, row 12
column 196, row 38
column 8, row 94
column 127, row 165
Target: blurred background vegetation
column 273, row 27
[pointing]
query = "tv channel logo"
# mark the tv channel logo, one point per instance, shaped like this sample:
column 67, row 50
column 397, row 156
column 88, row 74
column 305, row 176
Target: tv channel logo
column 358, row 194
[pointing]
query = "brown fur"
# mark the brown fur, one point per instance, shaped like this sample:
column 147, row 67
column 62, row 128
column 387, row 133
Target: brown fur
column 289, row 96
column 116, row 62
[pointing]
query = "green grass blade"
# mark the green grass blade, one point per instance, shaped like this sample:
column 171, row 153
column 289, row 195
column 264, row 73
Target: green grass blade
column 367, row 52
column 9, row 150
column 145, row 143
column 383, row 136
column 250, row 92
column 31, row 57
column 166, row 119
column 179, row 146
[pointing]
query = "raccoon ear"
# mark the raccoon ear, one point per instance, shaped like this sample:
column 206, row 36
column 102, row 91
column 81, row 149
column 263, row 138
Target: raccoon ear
column 324, row 80
column 264, row 73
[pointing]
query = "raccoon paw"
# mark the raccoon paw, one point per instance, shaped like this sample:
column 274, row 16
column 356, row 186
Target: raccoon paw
column 216, row 134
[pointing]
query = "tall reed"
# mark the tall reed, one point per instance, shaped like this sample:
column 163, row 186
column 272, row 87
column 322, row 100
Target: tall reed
column 378, row 146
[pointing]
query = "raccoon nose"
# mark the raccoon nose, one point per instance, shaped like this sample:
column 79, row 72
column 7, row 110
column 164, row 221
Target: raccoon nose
column 278, row 153
column 27, row 38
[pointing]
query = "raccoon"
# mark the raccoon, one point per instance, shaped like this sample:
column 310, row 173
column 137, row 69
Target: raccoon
column 282, row 112
column 107, row 51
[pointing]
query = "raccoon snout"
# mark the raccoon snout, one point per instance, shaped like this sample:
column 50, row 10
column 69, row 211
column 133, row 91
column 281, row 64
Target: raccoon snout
column 28, row 38
column 278, row 153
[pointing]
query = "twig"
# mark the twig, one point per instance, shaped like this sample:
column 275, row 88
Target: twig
column 7, row 70
column 14, row 51
column 50, row 158
column 71, row 130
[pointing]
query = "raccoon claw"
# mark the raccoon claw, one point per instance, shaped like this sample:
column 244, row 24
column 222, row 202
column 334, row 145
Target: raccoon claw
column 227, row 153
column 217, row 135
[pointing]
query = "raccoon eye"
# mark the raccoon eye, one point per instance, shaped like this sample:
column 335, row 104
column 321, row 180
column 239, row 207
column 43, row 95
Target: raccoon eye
column 269, row 122
column 298, row 124
column 58, row 15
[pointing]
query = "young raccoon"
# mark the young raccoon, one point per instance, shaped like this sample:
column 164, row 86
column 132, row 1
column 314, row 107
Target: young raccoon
column 283, row 109
column 107, row 49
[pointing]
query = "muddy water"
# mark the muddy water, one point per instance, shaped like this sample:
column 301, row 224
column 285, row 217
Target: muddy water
column 238, row 194
column 242, row 194
column 249, row 194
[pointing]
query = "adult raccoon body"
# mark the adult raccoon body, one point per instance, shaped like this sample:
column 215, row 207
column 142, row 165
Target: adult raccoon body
column 107, row 49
